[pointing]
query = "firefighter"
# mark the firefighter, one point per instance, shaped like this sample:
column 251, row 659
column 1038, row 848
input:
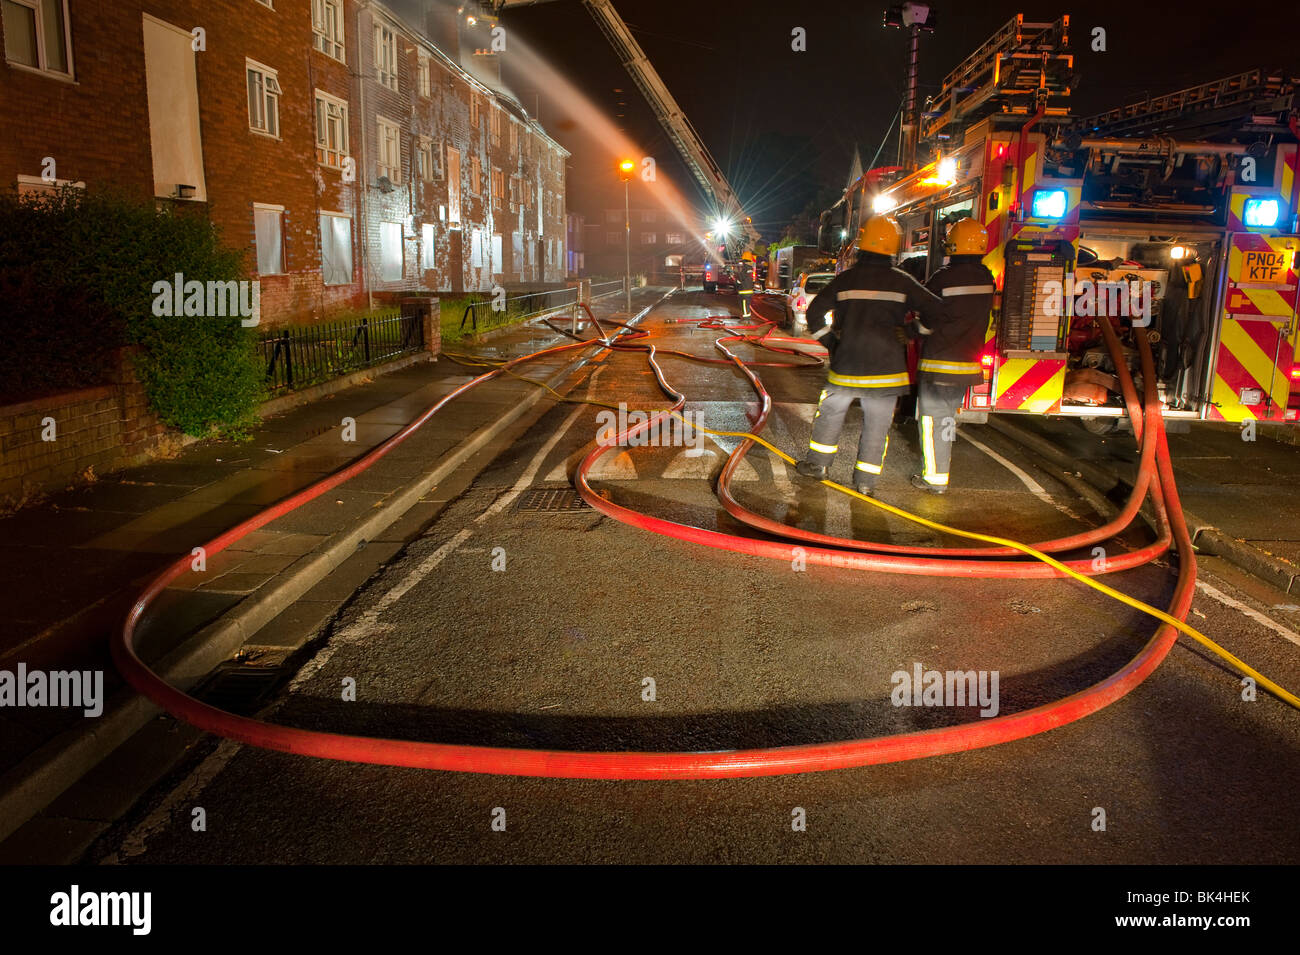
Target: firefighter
column 951, row 348
column 868, row 357
column 745, row 283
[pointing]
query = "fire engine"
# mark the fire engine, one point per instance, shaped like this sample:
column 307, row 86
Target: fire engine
column 1184, row 204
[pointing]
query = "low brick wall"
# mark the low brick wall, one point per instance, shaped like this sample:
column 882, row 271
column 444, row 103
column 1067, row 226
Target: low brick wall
column 49, row 443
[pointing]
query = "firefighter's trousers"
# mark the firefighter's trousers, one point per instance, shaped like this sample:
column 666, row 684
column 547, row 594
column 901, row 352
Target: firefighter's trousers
column 877, row 416
column 936, row 415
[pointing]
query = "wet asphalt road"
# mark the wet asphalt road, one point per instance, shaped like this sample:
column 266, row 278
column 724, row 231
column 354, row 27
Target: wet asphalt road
column 554, row 651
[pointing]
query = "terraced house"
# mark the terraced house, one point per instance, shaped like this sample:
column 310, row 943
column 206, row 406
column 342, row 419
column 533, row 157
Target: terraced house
column 351, row 153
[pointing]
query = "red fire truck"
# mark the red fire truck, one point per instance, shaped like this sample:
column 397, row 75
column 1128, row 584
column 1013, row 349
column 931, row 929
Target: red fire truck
column 1175, row 217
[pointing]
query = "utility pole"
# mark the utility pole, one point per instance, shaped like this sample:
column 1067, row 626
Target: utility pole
column 914, row 17
column 625, row 170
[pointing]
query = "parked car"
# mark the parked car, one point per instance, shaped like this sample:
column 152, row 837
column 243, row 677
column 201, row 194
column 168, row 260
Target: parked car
column 806, row 288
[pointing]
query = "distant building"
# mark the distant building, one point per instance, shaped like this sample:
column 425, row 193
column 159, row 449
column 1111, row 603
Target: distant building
column 659, row 244
column 349, row 152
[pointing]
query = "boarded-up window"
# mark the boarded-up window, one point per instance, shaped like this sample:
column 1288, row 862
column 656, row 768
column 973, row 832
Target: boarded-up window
column 268, row 222
column 173, row 110
column 336, row 249
column 390, row 251
column 427, row 246
column 453, row 185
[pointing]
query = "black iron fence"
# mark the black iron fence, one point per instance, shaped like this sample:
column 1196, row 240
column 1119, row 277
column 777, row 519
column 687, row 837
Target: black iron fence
column 506, row 310
column 298, row 356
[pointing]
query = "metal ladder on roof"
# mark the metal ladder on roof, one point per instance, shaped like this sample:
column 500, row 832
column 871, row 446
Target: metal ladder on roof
column 1256, row 101
column 1022, row 66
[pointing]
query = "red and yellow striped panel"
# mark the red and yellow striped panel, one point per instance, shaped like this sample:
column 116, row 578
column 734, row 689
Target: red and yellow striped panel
column 1257, row 335
column 1029, row 384
column 1254, row 355
column 1248, row 295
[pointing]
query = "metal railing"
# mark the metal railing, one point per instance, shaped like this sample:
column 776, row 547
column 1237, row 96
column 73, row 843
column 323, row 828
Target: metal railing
column 490, row 313
column 302, row 355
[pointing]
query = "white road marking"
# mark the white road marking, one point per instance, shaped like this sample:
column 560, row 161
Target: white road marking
column 1034, row 487
column 687, row 465
column 1250, row 612
column 176, row 803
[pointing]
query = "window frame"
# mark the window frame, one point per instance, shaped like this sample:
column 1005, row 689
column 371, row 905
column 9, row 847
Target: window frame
column 424, row 80
column 498, row 186
column 321, row 39
column 322, row 149
column 266, row 72
column 426, row 159
column 394, row 172
column 381, row 47
column 37, row 7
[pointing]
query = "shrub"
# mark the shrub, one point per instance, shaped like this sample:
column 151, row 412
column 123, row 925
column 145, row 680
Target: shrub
column 77, row 270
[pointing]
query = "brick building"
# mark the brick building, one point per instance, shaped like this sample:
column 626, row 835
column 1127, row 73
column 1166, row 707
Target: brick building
column 351, row 153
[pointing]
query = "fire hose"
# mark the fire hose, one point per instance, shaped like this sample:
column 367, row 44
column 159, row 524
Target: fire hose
column 1157, row 479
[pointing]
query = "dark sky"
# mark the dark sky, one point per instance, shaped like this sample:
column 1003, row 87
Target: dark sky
column 783, row 125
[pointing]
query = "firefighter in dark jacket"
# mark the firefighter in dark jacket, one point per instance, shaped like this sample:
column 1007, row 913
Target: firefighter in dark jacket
column 951, row 349
column 868, row 357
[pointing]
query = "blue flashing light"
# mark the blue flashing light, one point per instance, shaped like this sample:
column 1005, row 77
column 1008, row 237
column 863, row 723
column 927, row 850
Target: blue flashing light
column 1261, row 213
column 1048, row 204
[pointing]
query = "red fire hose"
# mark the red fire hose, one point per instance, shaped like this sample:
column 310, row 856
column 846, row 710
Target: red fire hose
column 688, row 765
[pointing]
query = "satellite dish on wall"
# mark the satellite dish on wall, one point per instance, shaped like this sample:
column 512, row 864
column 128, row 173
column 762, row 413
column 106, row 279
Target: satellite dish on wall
column 384, row 184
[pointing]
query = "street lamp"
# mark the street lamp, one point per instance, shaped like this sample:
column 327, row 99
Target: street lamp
column 625, row 169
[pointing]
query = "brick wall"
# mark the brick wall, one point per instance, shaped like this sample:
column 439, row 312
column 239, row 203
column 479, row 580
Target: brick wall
column 97, row 130
column 104, row 428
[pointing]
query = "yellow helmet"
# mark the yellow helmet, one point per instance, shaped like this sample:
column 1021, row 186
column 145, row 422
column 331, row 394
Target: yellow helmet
column 880, row 234
column 966, row 237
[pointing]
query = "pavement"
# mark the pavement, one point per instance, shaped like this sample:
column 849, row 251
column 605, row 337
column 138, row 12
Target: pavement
column 75, row 562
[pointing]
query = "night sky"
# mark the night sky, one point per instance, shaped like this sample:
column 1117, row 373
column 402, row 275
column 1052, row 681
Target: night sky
column 783, row 125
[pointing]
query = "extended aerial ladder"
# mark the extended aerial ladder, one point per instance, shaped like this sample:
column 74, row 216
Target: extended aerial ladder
column 670, row 115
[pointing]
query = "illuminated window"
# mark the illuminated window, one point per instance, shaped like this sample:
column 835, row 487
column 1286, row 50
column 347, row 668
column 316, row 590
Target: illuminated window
column 331, row 130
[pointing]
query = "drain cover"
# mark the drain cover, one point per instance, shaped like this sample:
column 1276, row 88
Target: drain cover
column 240, row 689
column 552, row 499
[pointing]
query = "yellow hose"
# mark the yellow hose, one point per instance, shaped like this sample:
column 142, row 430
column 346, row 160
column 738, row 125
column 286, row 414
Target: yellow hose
column 1279, row 691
